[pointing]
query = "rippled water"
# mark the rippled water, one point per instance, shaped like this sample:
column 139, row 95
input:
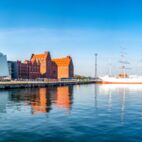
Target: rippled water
column 86, row 113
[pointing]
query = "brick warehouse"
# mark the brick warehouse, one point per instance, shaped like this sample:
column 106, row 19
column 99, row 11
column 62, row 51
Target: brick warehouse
column 43, row 66
column 28, row 70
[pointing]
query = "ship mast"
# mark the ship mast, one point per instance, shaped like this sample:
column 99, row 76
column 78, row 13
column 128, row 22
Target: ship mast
column 123, row 62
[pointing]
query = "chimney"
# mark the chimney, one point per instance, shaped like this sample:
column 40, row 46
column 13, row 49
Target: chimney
column 46, row 53
column 69, row 57
column 32, row 56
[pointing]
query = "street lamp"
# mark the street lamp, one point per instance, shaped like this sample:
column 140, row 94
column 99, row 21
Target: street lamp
column 96, row 55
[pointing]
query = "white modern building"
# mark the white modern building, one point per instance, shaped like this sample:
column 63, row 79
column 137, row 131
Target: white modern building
column 4, row 72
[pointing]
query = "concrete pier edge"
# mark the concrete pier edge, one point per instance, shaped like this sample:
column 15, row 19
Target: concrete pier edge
column 35, row 84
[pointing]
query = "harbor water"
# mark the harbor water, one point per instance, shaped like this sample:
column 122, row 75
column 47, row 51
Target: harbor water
column 81, row 113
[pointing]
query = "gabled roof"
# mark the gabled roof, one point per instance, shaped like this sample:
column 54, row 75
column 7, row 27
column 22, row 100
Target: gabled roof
column 38, row 56
column 35, row 62
column 62, row 61
column 30, row 62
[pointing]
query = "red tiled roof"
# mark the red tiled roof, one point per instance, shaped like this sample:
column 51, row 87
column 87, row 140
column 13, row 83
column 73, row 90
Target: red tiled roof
column 62, row 61
column 38, row 56
column 35, row 56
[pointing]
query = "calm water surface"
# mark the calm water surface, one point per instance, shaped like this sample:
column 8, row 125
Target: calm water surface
column 86, row 113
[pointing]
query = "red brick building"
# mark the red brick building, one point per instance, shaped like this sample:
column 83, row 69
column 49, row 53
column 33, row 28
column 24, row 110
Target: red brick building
column 48, row 69
column 42, row 66
column 65, row 67
column 28, row 70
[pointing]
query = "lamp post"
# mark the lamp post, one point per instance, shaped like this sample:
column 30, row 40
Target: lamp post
column 96, row 55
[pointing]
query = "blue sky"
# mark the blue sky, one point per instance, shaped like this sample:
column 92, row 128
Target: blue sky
column 74, row 27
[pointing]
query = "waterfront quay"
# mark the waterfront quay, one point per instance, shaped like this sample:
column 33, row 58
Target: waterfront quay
column 33, row 84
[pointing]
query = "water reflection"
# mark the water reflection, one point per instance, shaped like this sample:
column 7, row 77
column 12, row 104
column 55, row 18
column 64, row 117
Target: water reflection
column 96, row 92
column 64, row 97
column 122, row 97
column 3, row 101
column 110, row 101
column 98, row 112
column 42, row 99
column 42, row 103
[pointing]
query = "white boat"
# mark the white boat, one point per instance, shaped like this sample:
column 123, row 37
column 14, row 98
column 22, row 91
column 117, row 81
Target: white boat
column 118, row 80
column 122, row 78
